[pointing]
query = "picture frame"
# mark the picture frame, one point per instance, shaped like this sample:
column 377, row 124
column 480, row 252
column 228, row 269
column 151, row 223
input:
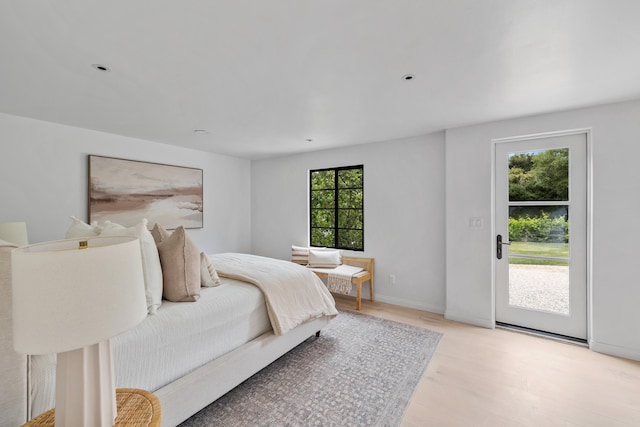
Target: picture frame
column 125, row 191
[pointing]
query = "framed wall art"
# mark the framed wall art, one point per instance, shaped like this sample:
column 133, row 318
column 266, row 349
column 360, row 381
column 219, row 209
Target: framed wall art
column 125, row 191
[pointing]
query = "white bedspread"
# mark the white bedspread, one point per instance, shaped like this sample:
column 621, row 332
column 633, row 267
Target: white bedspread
column 293, row 293
column 179, row 338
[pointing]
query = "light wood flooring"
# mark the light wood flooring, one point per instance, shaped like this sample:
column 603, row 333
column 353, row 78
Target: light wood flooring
column 484, row 377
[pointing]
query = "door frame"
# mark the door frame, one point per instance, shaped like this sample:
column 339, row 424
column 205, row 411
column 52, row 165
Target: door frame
column 494, row 142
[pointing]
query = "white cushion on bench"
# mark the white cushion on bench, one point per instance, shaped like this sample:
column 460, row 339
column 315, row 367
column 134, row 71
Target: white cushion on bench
column 324, row 258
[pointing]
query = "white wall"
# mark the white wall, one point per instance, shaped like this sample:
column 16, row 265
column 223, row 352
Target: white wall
column 615, row 314
column 43, row 180
column 403, row 211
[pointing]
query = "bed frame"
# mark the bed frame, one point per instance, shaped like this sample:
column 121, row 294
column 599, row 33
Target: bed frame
column 187, row 395
column 179, row 399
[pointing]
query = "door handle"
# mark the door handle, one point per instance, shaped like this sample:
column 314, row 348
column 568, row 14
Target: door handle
column 499, row 244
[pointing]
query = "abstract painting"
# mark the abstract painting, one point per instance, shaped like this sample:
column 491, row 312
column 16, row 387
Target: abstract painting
column 125, row 191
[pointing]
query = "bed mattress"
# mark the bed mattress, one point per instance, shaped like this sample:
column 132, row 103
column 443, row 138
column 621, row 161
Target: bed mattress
column 176, row 340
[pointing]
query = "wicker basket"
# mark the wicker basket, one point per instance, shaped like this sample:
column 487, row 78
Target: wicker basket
column 135, row 408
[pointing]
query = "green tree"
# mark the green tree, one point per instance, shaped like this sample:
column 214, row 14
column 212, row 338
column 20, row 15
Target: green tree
column 542, row 175
column 542, row 228
column 337, row 218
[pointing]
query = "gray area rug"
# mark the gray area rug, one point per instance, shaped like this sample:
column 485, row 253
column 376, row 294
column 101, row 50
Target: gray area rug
column 361, row 371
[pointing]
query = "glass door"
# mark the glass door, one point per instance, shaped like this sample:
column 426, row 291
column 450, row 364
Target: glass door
column 541, row 234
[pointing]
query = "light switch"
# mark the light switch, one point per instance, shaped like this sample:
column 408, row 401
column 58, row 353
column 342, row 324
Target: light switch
column 475, row 222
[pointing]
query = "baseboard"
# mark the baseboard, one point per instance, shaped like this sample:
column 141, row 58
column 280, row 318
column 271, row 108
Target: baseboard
column 409, row 304
column 614, row 350
column 464, row 318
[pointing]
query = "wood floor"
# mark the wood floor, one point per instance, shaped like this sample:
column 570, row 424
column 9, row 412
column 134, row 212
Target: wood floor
column 483, row 377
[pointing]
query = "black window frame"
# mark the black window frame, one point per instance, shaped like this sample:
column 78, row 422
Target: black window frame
column 336, row 189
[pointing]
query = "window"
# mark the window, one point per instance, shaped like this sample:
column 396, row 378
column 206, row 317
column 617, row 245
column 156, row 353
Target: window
column 336, row 207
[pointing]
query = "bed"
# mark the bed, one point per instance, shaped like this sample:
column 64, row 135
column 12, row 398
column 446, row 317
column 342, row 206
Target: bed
column 188, row 354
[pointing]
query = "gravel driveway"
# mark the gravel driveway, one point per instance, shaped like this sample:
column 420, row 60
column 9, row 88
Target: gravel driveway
column 539, row 287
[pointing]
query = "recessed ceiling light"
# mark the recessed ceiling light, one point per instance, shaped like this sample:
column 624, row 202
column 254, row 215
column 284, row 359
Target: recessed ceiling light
column 408, row 77
column 101, row 68
column 201, row 131
column 309, row 140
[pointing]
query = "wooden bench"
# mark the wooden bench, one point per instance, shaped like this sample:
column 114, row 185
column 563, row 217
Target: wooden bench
column 358, row 279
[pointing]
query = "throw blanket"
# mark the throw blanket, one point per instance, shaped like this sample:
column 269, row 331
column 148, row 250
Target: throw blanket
column 340, row 278
column 293, row 293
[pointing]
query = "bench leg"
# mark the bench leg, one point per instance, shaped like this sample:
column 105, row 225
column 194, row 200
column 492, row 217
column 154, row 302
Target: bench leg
column 371, row 297
column 358, row 295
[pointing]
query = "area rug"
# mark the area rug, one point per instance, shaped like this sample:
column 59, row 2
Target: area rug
column 361, row 371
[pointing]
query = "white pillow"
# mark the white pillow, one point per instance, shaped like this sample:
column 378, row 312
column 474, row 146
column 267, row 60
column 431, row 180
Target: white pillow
column 300, row 255
column 80, row 228
column 5, row 244
column 324, row 258
column 150, row 259
column 299, row 250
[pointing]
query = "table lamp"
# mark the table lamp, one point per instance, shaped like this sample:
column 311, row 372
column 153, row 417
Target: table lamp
column 14, row 232
column 70, row 297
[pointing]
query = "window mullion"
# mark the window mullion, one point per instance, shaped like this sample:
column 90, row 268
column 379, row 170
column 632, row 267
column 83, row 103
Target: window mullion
column 335, row 212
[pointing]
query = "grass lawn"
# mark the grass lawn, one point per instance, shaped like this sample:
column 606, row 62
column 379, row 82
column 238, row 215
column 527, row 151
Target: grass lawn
column 540, row 249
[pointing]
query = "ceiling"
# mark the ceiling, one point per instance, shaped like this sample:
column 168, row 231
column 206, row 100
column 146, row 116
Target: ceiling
column 262, row 78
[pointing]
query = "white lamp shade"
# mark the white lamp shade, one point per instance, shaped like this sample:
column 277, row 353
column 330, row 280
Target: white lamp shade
column 14, row 232
column 65, row 298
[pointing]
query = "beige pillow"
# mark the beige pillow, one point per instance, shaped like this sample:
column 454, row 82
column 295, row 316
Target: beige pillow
column 324, row 258
column 180, row 259
column 150, row 260
column 159, row 233
column 208, row 274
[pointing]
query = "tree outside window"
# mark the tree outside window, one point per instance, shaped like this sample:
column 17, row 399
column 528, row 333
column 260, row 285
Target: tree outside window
column 337, row 207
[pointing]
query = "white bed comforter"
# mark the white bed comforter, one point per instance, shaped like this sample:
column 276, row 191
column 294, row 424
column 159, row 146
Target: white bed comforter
column 179, row 338
column 293, row 293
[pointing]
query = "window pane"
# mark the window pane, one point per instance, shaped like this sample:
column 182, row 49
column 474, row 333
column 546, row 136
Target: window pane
column 350, row 178
column 350, row 218
column 537, row 282
column 540, row 287
column 539, row 230
column 322, row 199
column 350, row 198
column 322, row 180
column 539, row 175
column 323, row 218
column 351, row 239
column 323, row 237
